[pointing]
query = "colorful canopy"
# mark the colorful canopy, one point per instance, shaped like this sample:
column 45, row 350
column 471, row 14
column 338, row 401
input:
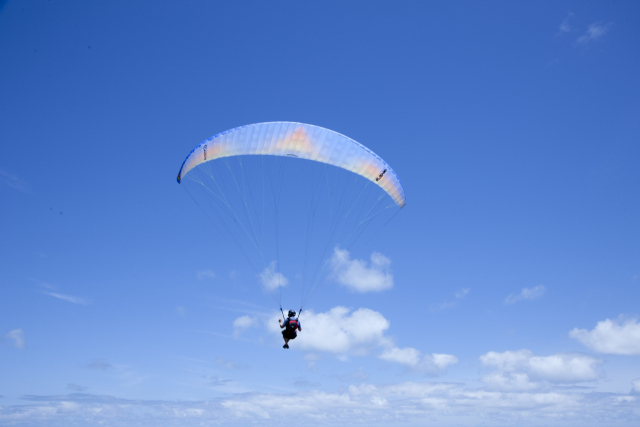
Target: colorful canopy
column 301, row 141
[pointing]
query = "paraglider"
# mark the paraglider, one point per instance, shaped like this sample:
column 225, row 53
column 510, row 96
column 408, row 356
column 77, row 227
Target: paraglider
column 291, row 198
column 290, row 327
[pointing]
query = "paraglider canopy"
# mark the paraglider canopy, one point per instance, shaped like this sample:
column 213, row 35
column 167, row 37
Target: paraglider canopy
column 302, row 141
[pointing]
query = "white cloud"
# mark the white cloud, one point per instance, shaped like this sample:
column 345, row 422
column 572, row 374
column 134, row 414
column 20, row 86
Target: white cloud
column 343, row 332
column 441, row 361
column 405, row 356
column 271, row 279
column 339, row 331
column 564, row 368
column 507, row 361
column 242, row 323
column 594, row 32
column 181, row 310
column 526, row 293
column 635, row 386
column 13, row 181
column 357, row 276
column 522, row 370
column 565, row 27
column 409, row 403
column 433, row 364
column 510, row 381
column 17, row 336
column 618, row 336
column 69, row 298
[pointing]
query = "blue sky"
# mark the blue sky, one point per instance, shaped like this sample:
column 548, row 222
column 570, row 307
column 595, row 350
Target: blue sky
column 514, row 127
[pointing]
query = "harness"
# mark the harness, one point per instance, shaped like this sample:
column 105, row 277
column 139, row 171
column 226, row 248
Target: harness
column 292, row 325
column 291, row 320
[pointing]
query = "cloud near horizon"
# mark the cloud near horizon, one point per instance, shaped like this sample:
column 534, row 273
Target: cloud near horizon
column 618, row 336
column 432, row 364
column 523, row 370
column 410, row 403
column 357, row 275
